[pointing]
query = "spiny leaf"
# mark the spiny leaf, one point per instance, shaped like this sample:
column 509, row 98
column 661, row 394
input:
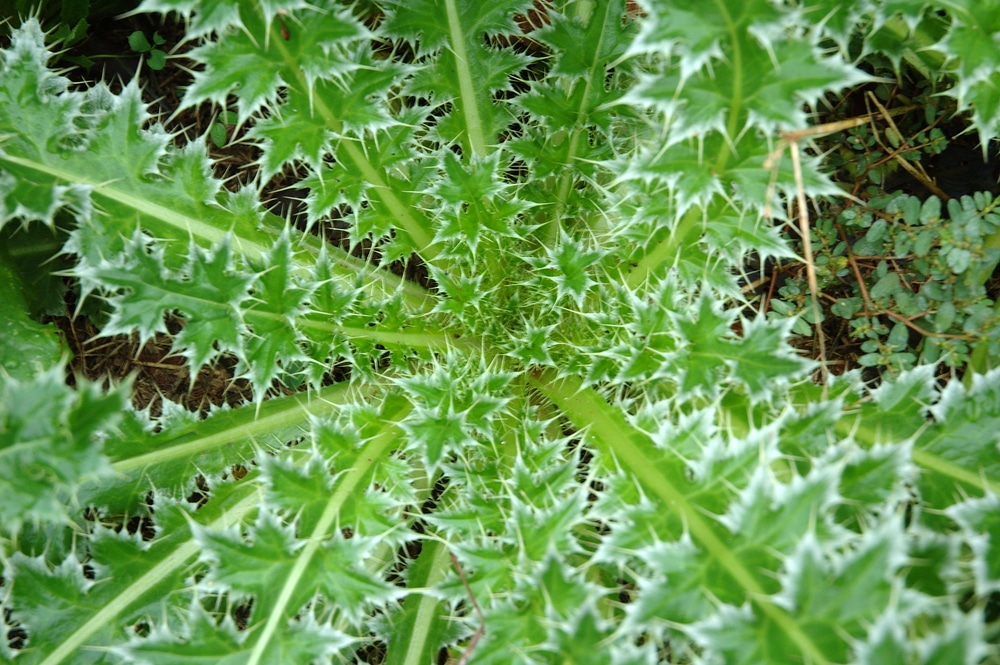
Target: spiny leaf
column 961, row 447
column 254, row 65
column 980, row 521
column 971, row 44
column 62, row 610
column 204, row 640
column 585, row 41
column 50, row 440
column 465, row 71
column 208, row 290
column 27, row 347
column 277, row 301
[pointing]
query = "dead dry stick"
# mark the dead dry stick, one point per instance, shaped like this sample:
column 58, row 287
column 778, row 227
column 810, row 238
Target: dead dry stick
column 800, row 197
column 915, row 171
column 797, row 135
column 841, row 125
column 791, row 139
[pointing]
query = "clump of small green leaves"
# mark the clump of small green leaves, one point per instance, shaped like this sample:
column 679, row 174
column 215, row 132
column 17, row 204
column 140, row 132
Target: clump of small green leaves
column 926, row 280
column 156, row 57
column 570, row 406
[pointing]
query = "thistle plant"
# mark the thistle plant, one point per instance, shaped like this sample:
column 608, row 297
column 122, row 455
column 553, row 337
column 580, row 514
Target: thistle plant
column 569, row 443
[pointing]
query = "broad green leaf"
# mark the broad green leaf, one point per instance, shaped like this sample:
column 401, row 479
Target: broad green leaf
column 466, row 71
column 51, row 441
column 27, row 348
column 960, row 450
column 980, row 521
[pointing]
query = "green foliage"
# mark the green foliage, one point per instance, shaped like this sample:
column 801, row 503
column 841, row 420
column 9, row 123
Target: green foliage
column 624, row 468
column 29, row 347
column 67, row 22
column 907, row 272
column 156, row 58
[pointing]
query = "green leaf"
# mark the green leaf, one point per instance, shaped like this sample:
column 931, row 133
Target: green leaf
column 32, row 108
column 422, row 623
column 551, row 376
column 585, row 41
column 980, row 521
column 27, row 347
column 960, row 448
column 447, row 415
column 61, row 610
column 253, row 65
column 763, row 358
column 674, row 588
column 568, row 266
column 204, row 15
column 277, row 301
column 51, row 441
column 208, row 290
column 157, row 60
column 465, row 72
column 90, row 152
column 706, row 347
column 341, row 575
column 254, row 565
column 871, row 479
column 312, row 120
column 975, row 58
column 475, row 204
column 204, row 640
column 886, row 286
column 848, row 598
column 137, row 42
column 772, row 72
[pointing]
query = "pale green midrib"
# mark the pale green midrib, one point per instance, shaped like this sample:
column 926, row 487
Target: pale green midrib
column 386, row 282
column 326, row 401
column 406, row 219
column 134, row 591
column 936, row 464
column 428, row 340
column 373, row 451
column 177, row 220
column 427, row 608
column 466, row 87
column 409, row 223
column 422, row 340
column 596, row 73
column 197, row 302
column 418, row 340
column 618, row 438
column 931, row 463
column 736, row 100
column 425, row 340
column 669, row 248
